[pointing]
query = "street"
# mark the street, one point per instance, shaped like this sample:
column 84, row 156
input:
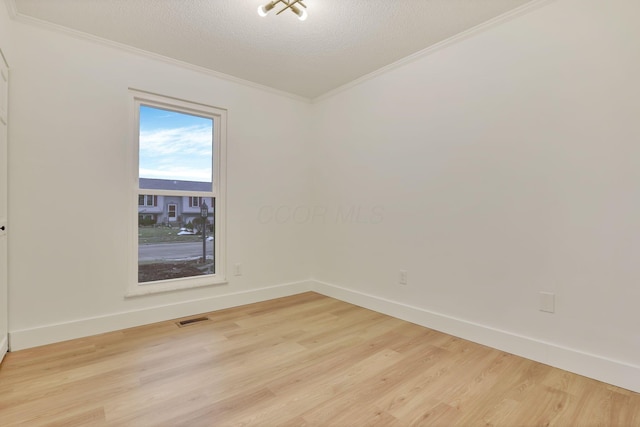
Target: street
column 173, row 251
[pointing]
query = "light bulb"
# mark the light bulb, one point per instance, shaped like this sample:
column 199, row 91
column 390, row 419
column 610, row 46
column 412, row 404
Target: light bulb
column 302, row 14
column 265, row 8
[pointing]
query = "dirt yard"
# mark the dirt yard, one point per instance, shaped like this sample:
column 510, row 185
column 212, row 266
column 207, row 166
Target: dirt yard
column 171, row 270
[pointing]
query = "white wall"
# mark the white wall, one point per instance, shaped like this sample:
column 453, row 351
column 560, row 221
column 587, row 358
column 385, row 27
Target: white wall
column 6, row 37
column 503, row 165
column 495, row 168
column 70, row 186
column 5, row 46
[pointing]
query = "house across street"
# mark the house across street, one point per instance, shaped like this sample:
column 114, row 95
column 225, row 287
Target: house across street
column 171, row 210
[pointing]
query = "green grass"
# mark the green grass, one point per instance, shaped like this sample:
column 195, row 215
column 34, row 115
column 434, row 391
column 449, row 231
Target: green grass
column 161, row 234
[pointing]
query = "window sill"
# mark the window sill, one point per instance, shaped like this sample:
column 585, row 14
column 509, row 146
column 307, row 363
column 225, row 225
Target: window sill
column 152, row 288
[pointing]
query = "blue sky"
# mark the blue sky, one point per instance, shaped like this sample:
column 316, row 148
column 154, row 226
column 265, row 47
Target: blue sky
column 175, row 145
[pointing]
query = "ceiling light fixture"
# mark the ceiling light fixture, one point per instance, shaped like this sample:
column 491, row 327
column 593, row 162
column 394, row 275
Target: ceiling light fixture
column 289, row 4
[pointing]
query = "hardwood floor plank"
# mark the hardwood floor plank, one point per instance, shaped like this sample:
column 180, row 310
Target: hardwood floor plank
column 439, row 414
column 304, row 360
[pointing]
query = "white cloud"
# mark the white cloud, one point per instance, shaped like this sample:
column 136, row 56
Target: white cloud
column 193, row 140
column 183, row 153
column 183, row 174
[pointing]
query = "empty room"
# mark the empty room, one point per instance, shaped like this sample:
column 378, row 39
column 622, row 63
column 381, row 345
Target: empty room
column 319, row 212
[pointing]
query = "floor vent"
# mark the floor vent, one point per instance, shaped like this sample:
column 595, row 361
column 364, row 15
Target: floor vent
column 191, row 321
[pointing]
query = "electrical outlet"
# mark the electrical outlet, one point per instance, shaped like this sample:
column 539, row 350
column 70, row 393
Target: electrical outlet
column 402, row 278
column 237, row 269
column 548, row 302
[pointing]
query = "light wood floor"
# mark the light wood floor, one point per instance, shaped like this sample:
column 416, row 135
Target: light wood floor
column 305, row 360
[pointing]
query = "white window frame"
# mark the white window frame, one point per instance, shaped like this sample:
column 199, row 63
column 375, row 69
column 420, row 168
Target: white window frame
column 219, row 117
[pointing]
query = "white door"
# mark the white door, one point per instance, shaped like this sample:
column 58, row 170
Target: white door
column 4, row 93
column 172, row 212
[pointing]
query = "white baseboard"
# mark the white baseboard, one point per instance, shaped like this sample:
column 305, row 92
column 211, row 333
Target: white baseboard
column 593, row 366
column 4, row 347
column 590, row 365
column 27, row 338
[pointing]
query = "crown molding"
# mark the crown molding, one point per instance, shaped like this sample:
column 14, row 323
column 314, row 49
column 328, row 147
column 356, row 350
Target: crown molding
column 522, row 10
column 28, row 20
column 507, row 16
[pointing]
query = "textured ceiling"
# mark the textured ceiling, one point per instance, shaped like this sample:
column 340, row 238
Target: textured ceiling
column 340, row 41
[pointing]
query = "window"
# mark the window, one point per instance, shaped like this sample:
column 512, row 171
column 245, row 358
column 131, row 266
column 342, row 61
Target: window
column 180, row 171
column 147, row 200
